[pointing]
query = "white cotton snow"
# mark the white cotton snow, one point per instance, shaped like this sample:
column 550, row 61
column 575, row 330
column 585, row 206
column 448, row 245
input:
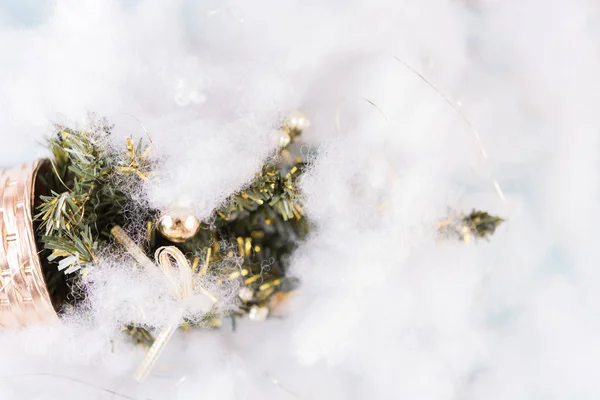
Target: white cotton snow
column 385, row 310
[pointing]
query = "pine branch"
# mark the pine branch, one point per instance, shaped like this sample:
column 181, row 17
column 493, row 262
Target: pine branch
column 86, row 192
column 250, row 238
column 477, row 224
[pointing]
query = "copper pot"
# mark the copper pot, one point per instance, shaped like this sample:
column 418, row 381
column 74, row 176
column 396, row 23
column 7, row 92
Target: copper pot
column 24, row 297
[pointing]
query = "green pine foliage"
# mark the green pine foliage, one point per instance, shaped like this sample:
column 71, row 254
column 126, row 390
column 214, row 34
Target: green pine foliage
column 253, row 234
column 481, row 224
column 85, row 197
column 249, row 238
column 477, row 224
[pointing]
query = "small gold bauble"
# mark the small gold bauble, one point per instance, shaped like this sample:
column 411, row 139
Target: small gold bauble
column 295, row 123
column 284, row 139
column 246, row 294
column 258, row 313
column 178, row 225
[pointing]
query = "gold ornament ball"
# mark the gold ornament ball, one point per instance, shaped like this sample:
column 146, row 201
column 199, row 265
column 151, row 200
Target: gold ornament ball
column 246, row 294
column 295, row 123
column 284, row 139
column 258, row 313
column 178, row 225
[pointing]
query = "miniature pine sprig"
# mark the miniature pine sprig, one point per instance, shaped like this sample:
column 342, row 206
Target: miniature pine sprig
column 271, row 186
column 478, row 224
column 86, row 194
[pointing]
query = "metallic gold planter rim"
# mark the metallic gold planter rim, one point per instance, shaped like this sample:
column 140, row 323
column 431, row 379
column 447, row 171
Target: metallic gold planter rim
column 24, row 297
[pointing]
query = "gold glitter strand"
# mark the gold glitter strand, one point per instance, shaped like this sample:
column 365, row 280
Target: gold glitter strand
column 204, row 268
column 124, row 240
column 152, row 356
column 464, row 118
column 195, row 264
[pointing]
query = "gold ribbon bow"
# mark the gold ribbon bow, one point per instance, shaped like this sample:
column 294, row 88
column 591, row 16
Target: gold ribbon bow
column 179, row 275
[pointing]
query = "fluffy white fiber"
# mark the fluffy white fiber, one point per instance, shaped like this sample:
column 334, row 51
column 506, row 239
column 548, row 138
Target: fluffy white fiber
column 385, row 311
